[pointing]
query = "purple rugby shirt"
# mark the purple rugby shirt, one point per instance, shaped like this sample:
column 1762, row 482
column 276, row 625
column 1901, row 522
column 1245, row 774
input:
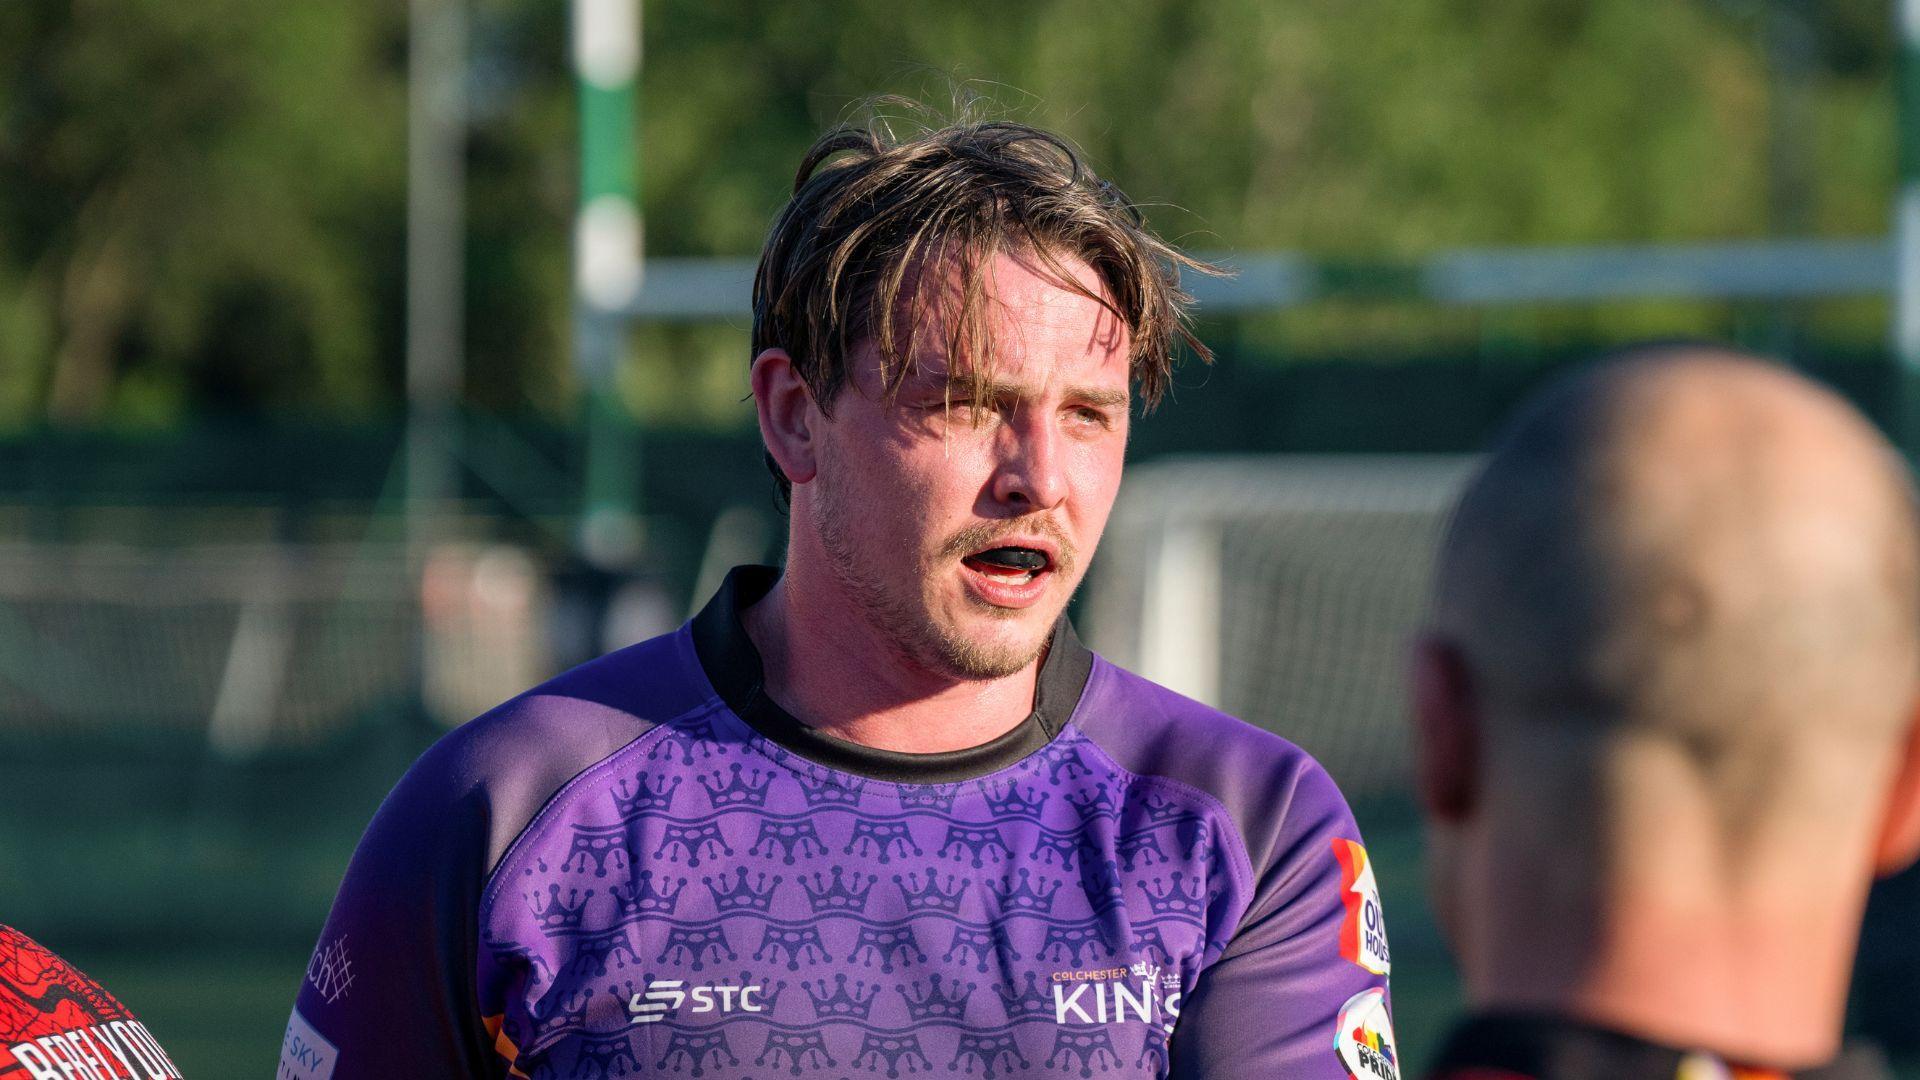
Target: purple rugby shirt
column 646, row 868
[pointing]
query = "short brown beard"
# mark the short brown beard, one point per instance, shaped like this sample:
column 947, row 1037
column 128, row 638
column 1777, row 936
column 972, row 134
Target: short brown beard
column 912, row 634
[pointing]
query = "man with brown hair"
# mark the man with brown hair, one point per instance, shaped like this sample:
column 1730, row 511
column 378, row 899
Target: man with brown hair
column 1666, row 711
column 879, row 811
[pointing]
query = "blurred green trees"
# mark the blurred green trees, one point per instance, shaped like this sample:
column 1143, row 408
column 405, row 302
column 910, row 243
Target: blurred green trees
column 201, row 201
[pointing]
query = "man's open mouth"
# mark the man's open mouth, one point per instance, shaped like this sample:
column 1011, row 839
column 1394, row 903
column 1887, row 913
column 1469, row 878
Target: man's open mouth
column 1011, row 564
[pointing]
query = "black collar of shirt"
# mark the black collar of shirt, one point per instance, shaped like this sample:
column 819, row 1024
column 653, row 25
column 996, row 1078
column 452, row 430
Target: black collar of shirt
column 1557, row 1048
column 733, row 666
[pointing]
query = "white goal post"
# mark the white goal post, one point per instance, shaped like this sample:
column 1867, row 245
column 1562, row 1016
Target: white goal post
column 1283, row 589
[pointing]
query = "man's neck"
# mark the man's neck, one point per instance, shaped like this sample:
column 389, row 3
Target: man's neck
column 1692, row 968
column 829, row 667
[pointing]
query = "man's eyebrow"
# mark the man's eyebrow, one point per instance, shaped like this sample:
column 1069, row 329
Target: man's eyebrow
column 1084, row 395
column 1106, row 399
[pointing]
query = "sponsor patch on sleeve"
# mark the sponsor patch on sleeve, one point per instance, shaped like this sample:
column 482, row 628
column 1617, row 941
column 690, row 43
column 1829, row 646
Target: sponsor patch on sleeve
column 1363, row 1037
column 1363, row 930
column 304, row 1053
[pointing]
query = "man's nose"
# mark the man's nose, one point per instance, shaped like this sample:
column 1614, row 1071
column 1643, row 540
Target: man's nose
column 1032, row 472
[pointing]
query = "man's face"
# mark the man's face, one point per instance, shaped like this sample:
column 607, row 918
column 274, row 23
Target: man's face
column 961, row 522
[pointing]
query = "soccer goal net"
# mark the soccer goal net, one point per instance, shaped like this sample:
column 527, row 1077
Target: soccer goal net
column 1282, row 589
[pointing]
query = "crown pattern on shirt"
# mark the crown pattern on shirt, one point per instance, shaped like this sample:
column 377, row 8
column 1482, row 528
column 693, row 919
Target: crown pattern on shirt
column 1153, row 1053
column 1100, row 879
column 637, row 796
column 684, row 739
column 841, row 1004
column 692, row 1048
column 769, row 994
column 843, row 892
column 1178, row 896
column 932, row 895
column 1093, row 1048
column 1149, row 941
column 1095, row 802
column 1076, row 943
column 602, row 847
column 1015, row 801
column 692, row 843
column 881, row 841
column 1051, row 845
column 930, row 1002
column 746, row 788
column 696, row 946
column 996, row 1052
column 819, row 793
column 797, row 943
column 797, row 1051
column 1159, row 809
column 981, row 943
column 642, row 897
column 1192, row 835
column 891, row 1052
column 1141, row 847
column 743, row 895
column 789, row 840
column 975, row 846
column 557, row 1012
column 887, row 945
column 1030, row 1000
column 555, row 916
column 928, row 798
column 1024, row 896
column 1066, row 766
column 606, row 1054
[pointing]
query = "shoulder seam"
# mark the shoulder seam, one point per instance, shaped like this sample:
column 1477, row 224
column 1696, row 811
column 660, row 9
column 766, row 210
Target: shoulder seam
column 565, row 792
column 1239, row 864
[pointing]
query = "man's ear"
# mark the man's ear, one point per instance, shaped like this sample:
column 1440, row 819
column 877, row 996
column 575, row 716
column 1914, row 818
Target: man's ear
column 1446, row 725
column 1900, row 829
column 788, row 417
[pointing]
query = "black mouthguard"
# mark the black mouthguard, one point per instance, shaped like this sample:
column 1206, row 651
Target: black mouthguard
column 1016, row 558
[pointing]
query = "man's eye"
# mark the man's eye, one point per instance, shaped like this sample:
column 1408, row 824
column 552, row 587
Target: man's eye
column 1093, row 416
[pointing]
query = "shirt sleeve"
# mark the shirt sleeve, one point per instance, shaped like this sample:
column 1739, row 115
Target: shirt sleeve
column 389, row 991
column 1300, row 990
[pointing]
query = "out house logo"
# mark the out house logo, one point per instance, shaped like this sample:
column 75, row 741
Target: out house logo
column 1363, row 929
column 663, row 997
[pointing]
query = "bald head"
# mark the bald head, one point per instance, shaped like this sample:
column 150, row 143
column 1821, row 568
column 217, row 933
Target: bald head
column 1666, row 700
column 1688, row 541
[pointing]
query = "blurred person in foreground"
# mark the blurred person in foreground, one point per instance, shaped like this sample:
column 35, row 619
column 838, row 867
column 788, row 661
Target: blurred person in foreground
column 58, row 1024
column 1666, row 713
column 879, row 811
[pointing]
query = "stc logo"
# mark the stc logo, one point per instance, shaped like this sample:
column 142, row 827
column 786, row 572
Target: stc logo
column 664, row 996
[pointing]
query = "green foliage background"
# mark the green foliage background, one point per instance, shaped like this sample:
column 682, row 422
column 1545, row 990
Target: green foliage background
column 201, row 203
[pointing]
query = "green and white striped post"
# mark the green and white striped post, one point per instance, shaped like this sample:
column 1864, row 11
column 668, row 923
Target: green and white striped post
column 607, row 244
column 1906, row 231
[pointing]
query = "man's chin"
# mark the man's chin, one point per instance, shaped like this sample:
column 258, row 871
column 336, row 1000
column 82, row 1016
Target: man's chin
column 993, row 646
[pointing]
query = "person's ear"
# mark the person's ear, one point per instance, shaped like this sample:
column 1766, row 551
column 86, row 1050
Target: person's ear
column 1900, row 829
column 1446, row 724
column 788, row 416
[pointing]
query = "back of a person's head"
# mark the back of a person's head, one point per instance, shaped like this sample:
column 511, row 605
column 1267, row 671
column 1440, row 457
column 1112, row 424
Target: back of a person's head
column 1666, row 698
column 1689, row 547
